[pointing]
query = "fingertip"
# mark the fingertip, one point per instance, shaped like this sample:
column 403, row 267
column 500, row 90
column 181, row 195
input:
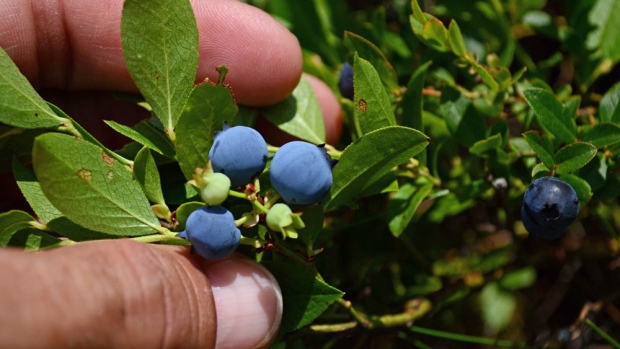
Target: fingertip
column 246, row 297
column 263, row 57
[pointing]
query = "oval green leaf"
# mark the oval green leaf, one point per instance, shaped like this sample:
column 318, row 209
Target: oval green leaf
column 299, row 115
column 370, row 52
column 456, row 39
column 160, row 45
column 207, row 107
column 91, row 188
column 540, row 143
column 551, row 114
column 574, row 156
column 20, row 105
column 373, row 109
column 609, row 109
column 602, row 135
column 435, row 34
column 369, row 158
column 403, row 205
column 145, row 171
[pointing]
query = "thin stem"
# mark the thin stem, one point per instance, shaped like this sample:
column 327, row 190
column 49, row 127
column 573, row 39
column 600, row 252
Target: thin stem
column 465, row 338
column 603, row 334
column 273, row 199
column 272, row 149
column 165, row 236
column 241, row 221
column 257, row 205
column 256, row 243
column 237, row 194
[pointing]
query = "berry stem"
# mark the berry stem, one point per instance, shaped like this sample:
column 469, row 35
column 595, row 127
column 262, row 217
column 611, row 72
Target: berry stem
column 258, row 206
column 237, row 194
column 166, row 236
column 272, row 149
column 256, row 243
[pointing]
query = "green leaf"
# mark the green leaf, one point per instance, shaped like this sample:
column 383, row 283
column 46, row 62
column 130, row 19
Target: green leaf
column 299, row 115
column 497, row 306
column 582, row 188
column 146, row 134
column 313, row 217
column 518, row 279
column 417, row 19
column 605, row 17
column 208, row 106
column 602, row 135
column 456, row 39
column 369, row 158
column 90, row 188
column 86, row 135
column 403, row 205
column 435, row 35
column 31, row 189
column 305, row 297
column 20, row 105
column 542, row 146
column 484, row 146
column 368, row 51
column 160, row 45
column 485, row 76
column 551, row 114
column 11, row 222
column 32, row 239
column 373, row 109
column 54, row 219
column 609, row 109
column 145, row 171
column 574, row 156
column 462, row 119
column 413, row 100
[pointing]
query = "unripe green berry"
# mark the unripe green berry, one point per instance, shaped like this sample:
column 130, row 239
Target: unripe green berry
column 281, row 218
column 216, row 189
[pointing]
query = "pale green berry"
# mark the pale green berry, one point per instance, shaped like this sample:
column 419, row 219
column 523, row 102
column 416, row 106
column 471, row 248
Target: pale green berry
column 281, row 218
column 216, row 189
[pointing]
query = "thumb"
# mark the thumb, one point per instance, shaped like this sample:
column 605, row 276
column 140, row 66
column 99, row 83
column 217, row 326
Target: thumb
column 123, row 294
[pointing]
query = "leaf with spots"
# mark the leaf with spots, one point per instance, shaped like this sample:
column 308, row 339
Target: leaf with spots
column 91, row 188
column 160, row 45
column 369, row 158
column 373, row 109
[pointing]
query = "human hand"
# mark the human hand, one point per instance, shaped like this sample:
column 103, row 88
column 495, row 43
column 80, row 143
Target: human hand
column 121, row 293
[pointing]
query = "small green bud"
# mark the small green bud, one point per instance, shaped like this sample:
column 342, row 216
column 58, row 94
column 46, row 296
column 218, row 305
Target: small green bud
column 282, row 219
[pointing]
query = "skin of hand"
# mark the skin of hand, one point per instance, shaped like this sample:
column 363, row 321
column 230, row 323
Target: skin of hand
column 120, row 293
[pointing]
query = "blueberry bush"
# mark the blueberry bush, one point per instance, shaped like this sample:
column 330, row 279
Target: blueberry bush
column 474, row 202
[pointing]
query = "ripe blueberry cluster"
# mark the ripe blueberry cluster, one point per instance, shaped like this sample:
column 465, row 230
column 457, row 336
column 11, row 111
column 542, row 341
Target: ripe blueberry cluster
column 300, row 172
column 550, row 205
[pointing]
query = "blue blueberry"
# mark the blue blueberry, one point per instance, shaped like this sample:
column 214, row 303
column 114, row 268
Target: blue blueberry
column 550, row 205
column 345, row 83
column 301, row 172
column 240, row 153
column 212, row 232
